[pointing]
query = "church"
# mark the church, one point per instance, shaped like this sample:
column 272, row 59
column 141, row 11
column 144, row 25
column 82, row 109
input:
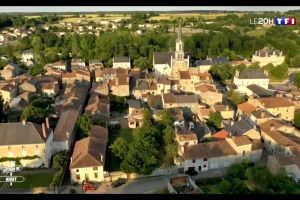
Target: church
column 171, row 63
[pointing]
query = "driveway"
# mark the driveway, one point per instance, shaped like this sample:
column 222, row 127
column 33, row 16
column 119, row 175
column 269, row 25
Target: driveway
column 137, row 186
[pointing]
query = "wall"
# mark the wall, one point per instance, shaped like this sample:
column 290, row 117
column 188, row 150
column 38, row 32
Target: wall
column 286, row 113
column 159, row 69
column 275, row 60
column 89, row 171
column 124, row 65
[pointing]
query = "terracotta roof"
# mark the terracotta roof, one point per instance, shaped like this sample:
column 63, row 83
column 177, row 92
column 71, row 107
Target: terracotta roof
column 184, row 75
column 153, row 86
column 256, row 145
column 83, row 72
column 286, row 160
column 222, row 107
column 221, row 134
column 186, row 98
column 241, row 140
column 48, row 86
column 208, row 150
column 163, row 80
column 69, row 75
column 98, row 73
column 169, row 98
column 205, row 112
column 277, row 124
column 247, row 108
column 186, row 135
column 90, row 151
column 205, row 88
column 275, row 102
column 122, row 79
column 280, row 139
column 9, row 87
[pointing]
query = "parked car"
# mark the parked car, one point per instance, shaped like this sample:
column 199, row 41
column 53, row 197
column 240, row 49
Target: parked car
column 119, row 182
column 88, row 186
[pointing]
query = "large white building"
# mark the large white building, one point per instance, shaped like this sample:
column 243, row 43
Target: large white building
column 266, row 56
column 249, row 77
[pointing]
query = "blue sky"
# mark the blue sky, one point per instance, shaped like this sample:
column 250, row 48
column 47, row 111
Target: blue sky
column 140, row 8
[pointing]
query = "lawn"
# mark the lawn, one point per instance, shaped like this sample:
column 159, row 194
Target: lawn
column 40, row 179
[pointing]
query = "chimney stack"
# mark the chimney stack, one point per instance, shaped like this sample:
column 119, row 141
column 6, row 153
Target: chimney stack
column 272, row 127
column 23, row 121
column 44, row 130
column 47, row 122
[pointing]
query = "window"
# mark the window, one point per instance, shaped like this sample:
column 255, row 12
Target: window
column 9, row 147
column 36, row 146
column 23, row 147
column 204, row 159
column 77, row 170
column 96, row 175
column 78, row 176
column 194, row 161
column 244, row 152
column 199, row 168
column 204, row 165
column 95, row 168
column 87, row 177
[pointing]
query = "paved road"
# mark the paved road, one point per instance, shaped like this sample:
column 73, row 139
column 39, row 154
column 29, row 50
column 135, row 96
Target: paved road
column 137, row 186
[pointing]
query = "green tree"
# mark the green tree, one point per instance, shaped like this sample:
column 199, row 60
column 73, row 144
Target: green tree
column 297, row 119
column 165, row 118
column 84, row 124
column 225, row 187
column 141, row 62
column 3, row 63
column 215, row 120
column 36, row 69
column 258, row 178
column 34, row 114
column 236, row 98
column 119, row 147
column 297, row 80
column 171, row 145
column 60, row 160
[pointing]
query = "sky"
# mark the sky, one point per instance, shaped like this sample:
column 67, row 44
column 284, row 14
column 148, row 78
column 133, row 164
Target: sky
column 5, row 9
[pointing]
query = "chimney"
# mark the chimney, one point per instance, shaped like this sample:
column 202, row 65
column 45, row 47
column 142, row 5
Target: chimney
column 272, row 127
column 262, row 114
column 47, row 122
column 237, row 73
column 23, row 121
column 101, row 157
column 44, row 130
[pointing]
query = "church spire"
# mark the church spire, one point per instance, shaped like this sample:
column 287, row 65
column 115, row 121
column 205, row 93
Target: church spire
column 179, row 31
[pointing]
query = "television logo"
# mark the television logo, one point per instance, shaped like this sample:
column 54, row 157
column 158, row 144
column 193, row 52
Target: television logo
column 280, row 21
column 285, row 21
